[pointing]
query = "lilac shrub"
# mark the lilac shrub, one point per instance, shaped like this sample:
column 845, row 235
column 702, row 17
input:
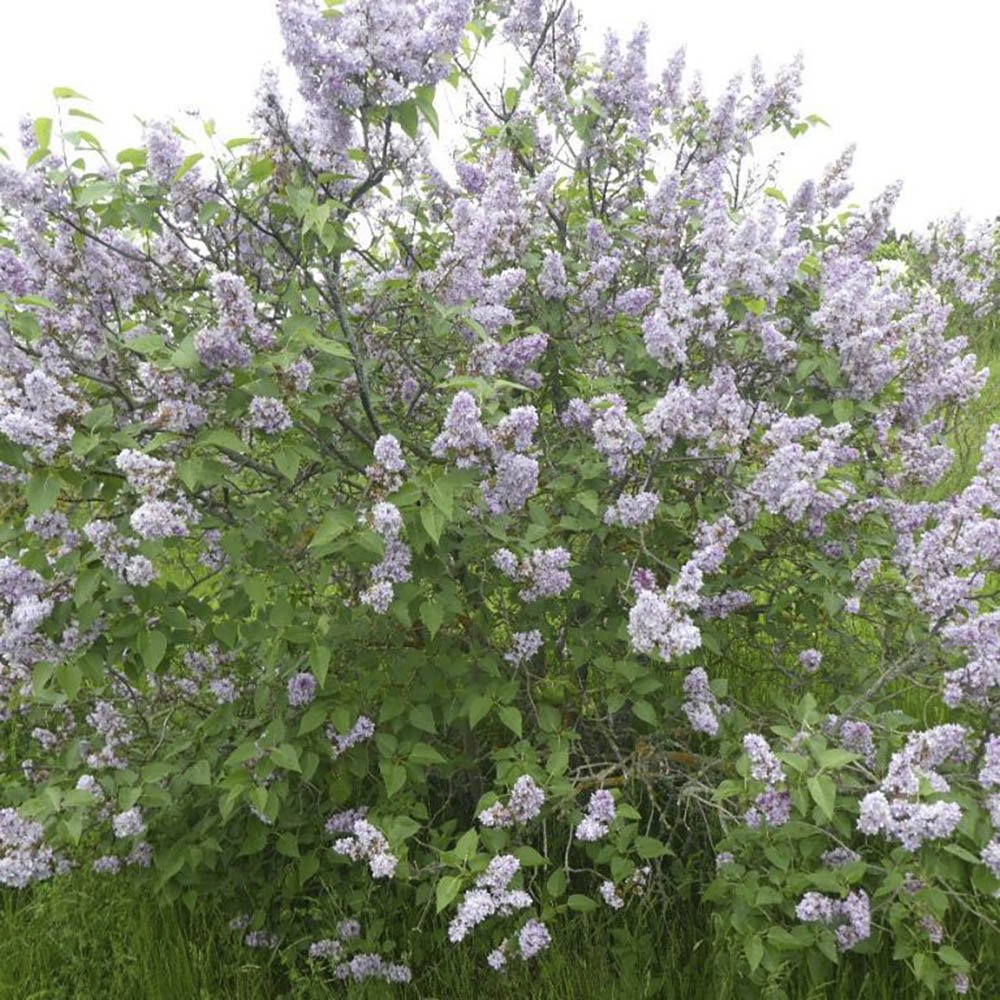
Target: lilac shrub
column 476, row 525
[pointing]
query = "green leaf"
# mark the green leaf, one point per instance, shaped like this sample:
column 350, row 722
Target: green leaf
column 422, row 717
column 753, row 948
column 406, row 115
column 286, row 756
column 556, row 884
column 43, row 491
column 333, row 526
column 479, row 708
column 558, row 762
column 643, row 710
column 308, row 866
column 200, row 773
column 43, row 132
column 951, row 956
column 511, row 718
column 424, row 753
column 433, row 521
column 467, row 844
column 394, row 776
column 94, row 192
column 70, row 677
column 529, row 857
column 582, row 904
column 446, row 890
column 68, row 93
column 153, row 647
column 189, row 162
column 824, row 793
column 650, row 847
column 314, row 717
column 432, row 615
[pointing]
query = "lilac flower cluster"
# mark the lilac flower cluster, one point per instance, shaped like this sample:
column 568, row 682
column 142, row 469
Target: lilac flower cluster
column 112, row 727
column 771, row 806
column 463, row 438
column 524, row 804
column 371, row 966
column 544, row 571
column 715, row 414
column 810, row 659
column 24, row 857
column 614, row 434
column 513, row 359
column 632, row 510
column 363, row 729
column 370, row 54
column 660, row 620
column 701, row 706
column 394, row 566
column 368, row 844
column 301, row 689
column 343, row 821
column 491, row 896
column 148, row 476
column 129, row 823
column 269, row 415
column 261, row 939
column 600, row 815
column 39, row 411
column 385, row 471
column 909, row 822
column 524, row 645
column 223, row 346
column 850, row 917
column 635, row 885
column 853, row 735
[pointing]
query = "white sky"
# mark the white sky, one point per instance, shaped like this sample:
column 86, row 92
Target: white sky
column 916, row 90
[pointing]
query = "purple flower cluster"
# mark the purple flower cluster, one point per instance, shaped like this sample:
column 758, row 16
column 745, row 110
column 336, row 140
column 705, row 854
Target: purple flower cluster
column 148, row 476
column 850, row 917
column 491, row 896
column 632, row 510
column 24, row 858
column 343, row 821
column 363, row 729
column 771, row 806
column 810, row 659
column 635, row 885
column 532, row 938
column 544, row 572
column 524, row 804
column 301, row 689
column 911, row 823
column 368, row 844
column 129, row 823
column 371, row 966
column 614, row 434
column 463, row 437
column 523, row 646
column 701, row 706
column 394, row 566
column 326, row 948
column 600, row 815
column 269, row 415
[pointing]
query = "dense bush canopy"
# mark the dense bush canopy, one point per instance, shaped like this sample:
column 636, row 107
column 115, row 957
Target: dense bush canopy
column 502, row 530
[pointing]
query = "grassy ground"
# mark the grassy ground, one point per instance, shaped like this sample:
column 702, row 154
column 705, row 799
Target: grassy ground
column 97, row 938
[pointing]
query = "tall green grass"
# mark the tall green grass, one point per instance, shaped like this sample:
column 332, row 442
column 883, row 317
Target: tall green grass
column 87, row 937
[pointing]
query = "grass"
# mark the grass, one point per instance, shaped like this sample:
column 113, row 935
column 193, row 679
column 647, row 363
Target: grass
column 88, row 937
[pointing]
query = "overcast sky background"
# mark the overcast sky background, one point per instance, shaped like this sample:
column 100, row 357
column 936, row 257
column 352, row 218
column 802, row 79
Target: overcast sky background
column 916, row 90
